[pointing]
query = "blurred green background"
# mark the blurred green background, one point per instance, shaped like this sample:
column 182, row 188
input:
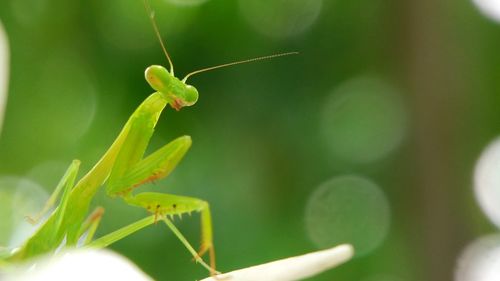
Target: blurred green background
column 369, row 136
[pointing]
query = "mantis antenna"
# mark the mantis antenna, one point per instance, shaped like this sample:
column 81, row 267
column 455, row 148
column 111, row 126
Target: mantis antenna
column 238, row 62
column 151, row 16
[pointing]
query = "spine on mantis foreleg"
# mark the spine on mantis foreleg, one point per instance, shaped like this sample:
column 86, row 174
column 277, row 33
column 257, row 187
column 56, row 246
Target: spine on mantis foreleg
column 49, row 237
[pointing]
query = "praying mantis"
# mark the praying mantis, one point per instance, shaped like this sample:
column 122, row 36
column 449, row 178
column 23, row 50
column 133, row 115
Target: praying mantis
column 122, row 169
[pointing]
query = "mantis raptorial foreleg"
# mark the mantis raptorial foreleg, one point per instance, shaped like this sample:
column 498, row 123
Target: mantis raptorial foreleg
column 142, row 124
column 155, row 166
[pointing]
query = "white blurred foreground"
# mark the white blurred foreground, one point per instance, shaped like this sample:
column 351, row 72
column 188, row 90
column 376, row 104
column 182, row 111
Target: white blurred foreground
column 79, row 265
column 4, row 71
column 295, row 268
column 487, row 181
column 480, row 261
column 105, row 265
column 489, row 8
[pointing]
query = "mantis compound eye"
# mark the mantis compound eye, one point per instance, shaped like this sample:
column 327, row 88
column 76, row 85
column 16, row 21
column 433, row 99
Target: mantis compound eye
column 158, row 77
column 191, row 95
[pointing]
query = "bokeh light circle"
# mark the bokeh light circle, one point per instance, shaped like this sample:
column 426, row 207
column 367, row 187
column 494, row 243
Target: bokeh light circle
column 125, row 27
column 348, row 209
column 480, row 261
column 29, row 12
column 19, row 197
column 489, row 8
column 363, row 120
column 48, row 173
column 280, row 18
column 487, row 181
column 65, row 90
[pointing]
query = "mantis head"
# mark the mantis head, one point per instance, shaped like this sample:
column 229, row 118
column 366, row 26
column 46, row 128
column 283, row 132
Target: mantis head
column 178, row 93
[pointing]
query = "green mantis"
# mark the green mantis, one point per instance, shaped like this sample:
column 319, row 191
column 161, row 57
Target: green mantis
column 123, row 168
